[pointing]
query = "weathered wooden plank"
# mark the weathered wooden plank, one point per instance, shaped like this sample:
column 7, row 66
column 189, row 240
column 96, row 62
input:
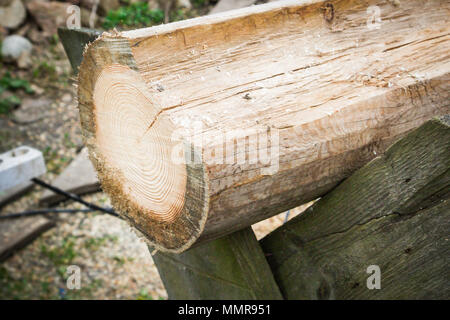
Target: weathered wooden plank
column 394, row 212
column 233, row 267
column 16, row 233
column 79, row 177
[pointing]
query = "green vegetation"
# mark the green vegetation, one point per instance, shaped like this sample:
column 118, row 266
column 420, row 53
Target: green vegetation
column 7, row 82
column 54, row 162
column 53, row 41
column 45, row 70
column 199, row 8
column 144, row 295
column 86, row 292
column 50, row 156
column 8, row 103
column 95, row 243
column 178, row 15
column 44, row 286
column 62, row 255
column 11, row 288
column 135, row 15
column 199, row 3
column 119, row 260
column 68, row 142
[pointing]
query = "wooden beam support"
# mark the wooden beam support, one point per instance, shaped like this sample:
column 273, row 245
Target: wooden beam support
column 393, row 213
column 202, row 127
column 74, row 42
column 233, row 267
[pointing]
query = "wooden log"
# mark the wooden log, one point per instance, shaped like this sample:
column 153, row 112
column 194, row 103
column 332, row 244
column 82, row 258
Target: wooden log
column 233, row 267
column 393, row 213
column 202, row 127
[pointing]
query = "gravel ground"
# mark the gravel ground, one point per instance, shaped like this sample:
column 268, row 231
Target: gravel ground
column 114, row 263
column 263, row 228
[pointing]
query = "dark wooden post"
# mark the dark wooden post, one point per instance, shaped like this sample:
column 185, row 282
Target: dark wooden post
column 393, row 213
column 74, row 41
column 232, row 267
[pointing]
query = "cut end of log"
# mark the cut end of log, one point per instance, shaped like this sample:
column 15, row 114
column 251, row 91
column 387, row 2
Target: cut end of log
column 132, row 147
column 132, row 140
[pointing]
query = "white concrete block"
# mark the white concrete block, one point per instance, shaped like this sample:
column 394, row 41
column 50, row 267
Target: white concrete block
column 19, row 165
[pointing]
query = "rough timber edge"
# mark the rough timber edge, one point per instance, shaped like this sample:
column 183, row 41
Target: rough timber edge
column 272, row 7
column 113, row 48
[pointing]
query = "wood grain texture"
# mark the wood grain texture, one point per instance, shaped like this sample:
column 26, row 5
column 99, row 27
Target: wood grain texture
column 233, row 267
column 394, row 212
column 333, row 88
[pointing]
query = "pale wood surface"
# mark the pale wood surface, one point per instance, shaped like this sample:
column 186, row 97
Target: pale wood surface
column 394, row 212
column 335, row 89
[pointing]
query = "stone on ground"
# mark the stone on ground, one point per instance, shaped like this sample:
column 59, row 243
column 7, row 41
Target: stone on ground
column 49, row 15
column 226, row 5
column 31, row 110
column 12, row 13
column 16, row 48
